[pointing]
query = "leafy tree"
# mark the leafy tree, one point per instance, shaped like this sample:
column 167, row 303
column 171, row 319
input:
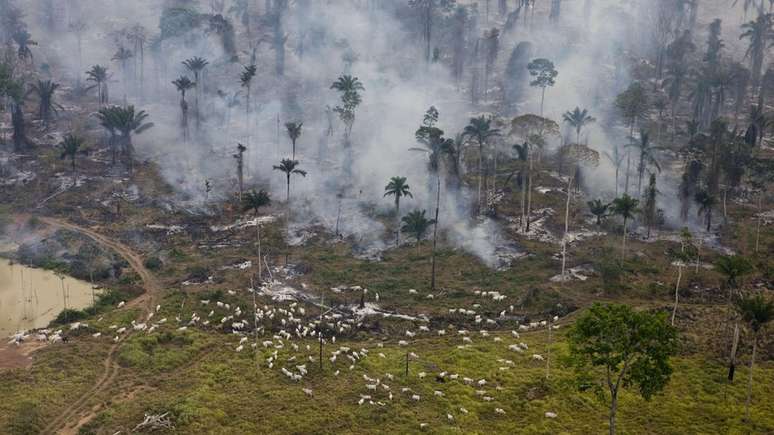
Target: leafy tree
column 631, row 348
column 633, row 105
column 350, row 88
column 706, row 202
column 756, row 311
column 544, row 75
column 183, row 84
column 71, row 146
column 398, row 188
column 417, row 225
column 246, row 80
column 577, row 119
column 289, row 167
column 294, row 132
column 480, row 130
column 626, row 207
column 616, row 158
column 126, row 121
column 681, row 258
column 598, row 209
column 47, row 107
column 99, row 75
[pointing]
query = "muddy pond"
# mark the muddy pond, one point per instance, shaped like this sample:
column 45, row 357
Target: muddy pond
column 31, row 298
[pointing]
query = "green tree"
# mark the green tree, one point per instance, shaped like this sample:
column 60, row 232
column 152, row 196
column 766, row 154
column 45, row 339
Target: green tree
column 294, row 132
column 47, row 107
column 544, row 75
column 598, row 209
column 480, row 130
column 289, row 167
column 99, row 75
column 631, row 348
column 756, row 312
column 733, row 268
column 577, row 119
column 71, row 146
column 255, row 201
column 397, row 188
column 350, row 88
column 706, row 202
column 417, row 225
column 626, row 207
column 649, row 210
column 125, row 121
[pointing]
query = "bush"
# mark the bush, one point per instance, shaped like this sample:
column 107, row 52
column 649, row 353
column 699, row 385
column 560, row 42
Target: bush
column 198, row 273
column 611, row 273
column 68, row 316
column 154, row 263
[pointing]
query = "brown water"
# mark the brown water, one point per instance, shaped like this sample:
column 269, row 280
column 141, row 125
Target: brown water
column 31, row 298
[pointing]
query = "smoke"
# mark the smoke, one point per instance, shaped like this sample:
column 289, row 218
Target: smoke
column 320, row 41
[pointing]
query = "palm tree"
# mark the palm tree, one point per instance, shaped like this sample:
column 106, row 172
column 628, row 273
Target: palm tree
column 650, row 210
column 294, row 132
column 71, row 146
column 254, row 201
column 289, row 167
column 417, row 224
column 759, row 32
column 626, row 207
column 398, row 188
column 99, row 75
column 616, row 158
column 196, row 65
column 598, row 209
column 47, row 107
column 522, row 157
column 183, row 84
column 633, row 105
column 17, row 95
column 756, row 312
column 706, row 202
column 647, row 157
column 350, row 88
column 126, row 121
column 578, row 119
column 122, row 56
column 480, row 129
column 246, row 80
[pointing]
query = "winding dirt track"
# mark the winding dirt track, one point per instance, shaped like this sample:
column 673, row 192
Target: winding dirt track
column 110, row 368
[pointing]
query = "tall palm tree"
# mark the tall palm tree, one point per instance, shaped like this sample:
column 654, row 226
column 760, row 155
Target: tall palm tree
column 626, row 207
column 616, row 158
column 706, row 202
column 398, row 188
column 577, row 119
column 71, row 146
column 417, row 225
column 598, row 209
column 522, row 158
column 45, row 90
column 196, row 65
column 126, row 121
column 759, row 32
column 183, row 84
column 294, row 132
column 756, row 312
column 240, row 159
column 647, row 157
column 99, row 75
column 122, row 56
column 289, row 167
column 480, row 129
column 246, row 80
column 633, row 106
column 254, row 201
